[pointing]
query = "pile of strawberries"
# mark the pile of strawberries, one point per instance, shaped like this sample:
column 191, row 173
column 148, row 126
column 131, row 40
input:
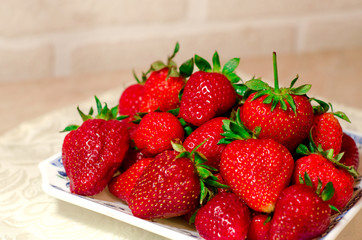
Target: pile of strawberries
column 238, row 159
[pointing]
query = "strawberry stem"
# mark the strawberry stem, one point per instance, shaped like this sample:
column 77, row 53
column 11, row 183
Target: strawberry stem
column 276, row 82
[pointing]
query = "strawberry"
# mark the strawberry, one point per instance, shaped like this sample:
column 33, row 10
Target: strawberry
column 121, row 186
column 163, row 85
column 155, row 132
column 93, row 152
column 209, row 92
column 350, row 150
column 173, row 184
column 301, row 213
column 327, row 130
column 259, row 227
column 129, row 102
column 223, row 217
column 209, row 131
column 257, row 170
column 321, row 165
column 284, row 114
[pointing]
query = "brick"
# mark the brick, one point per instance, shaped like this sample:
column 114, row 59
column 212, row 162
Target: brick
column 26, row 63
column 250, row 9
column 333, row 33
column 34, row 16
column 240, row 41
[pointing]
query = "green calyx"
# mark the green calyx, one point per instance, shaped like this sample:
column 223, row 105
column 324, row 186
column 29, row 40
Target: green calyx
column 228, row 69
column 236, row 130
column 185, row 70
column 324, row 107
column 328, row 154
column 208, row 182
column 103, row 112
column 277, row 95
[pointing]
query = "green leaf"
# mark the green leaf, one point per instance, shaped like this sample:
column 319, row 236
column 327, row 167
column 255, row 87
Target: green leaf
column 175, row 51
column 70, row 128
column 90, row 111
column 301, row 180
column 83, row 116
column 99, row 105
column 216, row 62
column 302, row 150
column 342, row 115
column 328, row 192
column 184, row 155
column 225, row 141
column 203, row 192
column 187, row 68
column 178, row 147
column 291, row 103
column 158, row 65
column 231, row 135
column 322, row 108
column 135, row 76
column 307, row 180
column 302, row 90
column 114, row 111
column 203, row 172
column 233, row 77
column 199, row 158
column 240, row 131
column 226, row 124
column 202, row 64
column 257, row 85
column 294, row 81
column 216, row 184
column 122, row 117
column 174, row 112
column 240, row 89
column 334, row 208
column 188, row 130
column 231, row 65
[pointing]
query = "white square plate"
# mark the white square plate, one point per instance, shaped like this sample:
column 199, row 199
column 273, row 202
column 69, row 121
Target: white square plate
column 56, row 183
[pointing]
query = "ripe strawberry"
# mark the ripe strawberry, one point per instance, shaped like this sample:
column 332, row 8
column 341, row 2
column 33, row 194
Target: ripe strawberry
column 209, row 92
column 164, row 84
column 156, row 131
column 322, row 166
column 129, row 102
column 301, row 213
column 223, row 217
column 259, row 227
column 172, row 185
column 122, row 185
column 209, row 131
column 257, row 170
column 350, row 150
column 92, row 152
column 284, row 114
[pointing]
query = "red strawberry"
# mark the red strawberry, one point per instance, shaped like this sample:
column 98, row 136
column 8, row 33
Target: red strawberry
column 319, row 167
column 209, row 92
column 156, row 131
column 129, row 102
column 350, row 150
column 122, row 185
column 172, row 185
column 164, row 84
column 259, row 227
column 209, row 131
column 132, row 156
column 300, row 213
column 284, row 114
column 327, row 130
column 223, row 217
column 92, row 152
column 257, row 170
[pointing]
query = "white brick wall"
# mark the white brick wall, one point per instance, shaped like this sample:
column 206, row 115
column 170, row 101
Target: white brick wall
column 40, row 39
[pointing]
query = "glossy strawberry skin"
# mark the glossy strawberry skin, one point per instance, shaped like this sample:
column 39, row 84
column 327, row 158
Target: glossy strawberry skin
column 161, row 92
column 259, row 229
column 168, row 187
column 155, row 132
column 319, row 167
column 205, row 96
column 223, row 217
column 209, row 131
column 350, row 150
column 285, row 127
column 92, row 153
column 299, row 214
column 327, row 131
column 122, row 185
column 257, row 170
column 130, row 100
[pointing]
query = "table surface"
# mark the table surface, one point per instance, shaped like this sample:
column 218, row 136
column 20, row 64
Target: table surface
column 26, row 212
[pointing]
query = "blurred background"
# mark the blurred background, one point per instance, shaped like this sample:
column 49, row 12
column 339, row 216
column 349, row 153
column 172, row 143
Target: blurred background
column 57, row 52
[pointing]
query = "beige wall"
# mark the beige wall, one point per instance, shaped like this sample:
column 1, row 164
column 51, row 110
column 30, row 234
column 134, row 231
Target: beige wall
column 56, row 38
